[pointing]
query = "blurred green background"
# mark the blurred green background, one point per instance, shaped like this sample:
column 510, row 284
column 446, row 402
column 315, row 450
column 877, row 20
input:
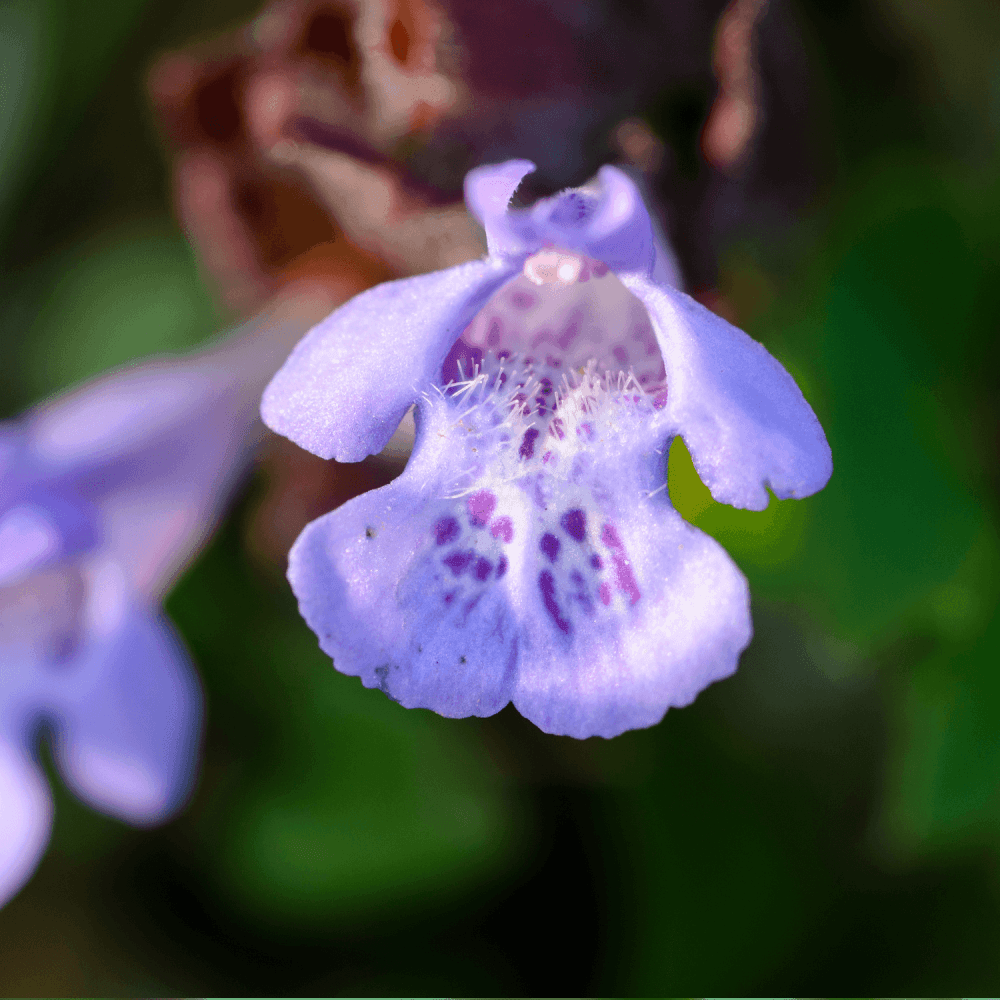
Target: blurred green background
column 827, row 821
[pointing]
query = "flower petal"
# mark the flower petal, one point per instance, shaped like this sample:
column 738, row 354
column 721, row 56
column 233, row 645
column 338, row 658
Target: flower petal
column 488, row 191
column 678, row 620
column 557, row 575
column 743, row 418
column 154, row 450
column 346, row 386
column 606, row 221
column 405, row 637
column 25, row 818
column 619, row 233
column 128, row 714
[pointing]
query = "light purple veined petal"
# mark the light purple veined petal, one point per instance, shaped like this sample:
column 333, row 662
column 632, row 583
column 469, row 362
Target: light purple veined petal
column 374, row 595
column 346, row 386
column 127, row 712
column 25, row 817
column 675, row 619
column 488, row 191
column 743, row 418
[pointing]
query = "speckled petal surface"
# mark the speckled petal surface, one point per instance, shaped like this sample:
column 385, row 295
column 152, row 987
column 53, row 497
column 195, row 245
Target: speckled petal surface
column 25, row 817
column 346, row 386
column 560, row 579
column 677, row 618
column 366, row 586
column 743, row 418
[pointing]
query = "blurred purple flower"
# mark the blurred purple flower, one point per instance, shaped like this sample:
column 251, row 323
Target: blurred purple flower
column 104, row 495
column 529, row 551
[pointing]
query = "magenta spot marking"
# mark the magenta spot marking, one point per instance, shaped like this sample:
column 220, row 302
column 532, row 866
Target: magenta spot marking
column 651, row 349
column 462, row 361
column 570, row 333
column 547, row 585
column 493, row 332
column 577, row 577
column 574, row 523
column 600, row 269
column 625, row 578
column 660, row 400
column 586, row 430
column 445, row 530
column 450, row 596
column 480, row 506
column 540, row 338
column 546, row 457
column 552, row 362
column 621, row 355
column 470, row 607
column 522, row 300
column 610, row 537
column 596, row 561
column 556, row 428
column 483, row 568
column 604, row 592
column 501, row 567
column 584, row 274
column 503, row 355
column 503, row 528
column 458, row 562
column 584, row 600
column 527, row 449
column 549, row 546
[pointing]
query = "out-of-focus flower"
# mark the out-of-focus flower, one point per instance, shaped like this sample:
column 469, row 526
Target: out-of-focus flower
column 733, row 120
column 323, row 124
column 529, row 552
column 104, row 495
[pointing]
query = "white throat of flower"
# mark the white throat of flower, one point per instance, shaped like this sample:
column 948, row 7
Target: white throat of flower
column 560, row 362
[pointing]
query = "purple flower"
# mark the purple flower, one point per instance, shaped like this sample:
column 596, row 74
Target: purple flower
column 104, row 495
column 529, row 552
